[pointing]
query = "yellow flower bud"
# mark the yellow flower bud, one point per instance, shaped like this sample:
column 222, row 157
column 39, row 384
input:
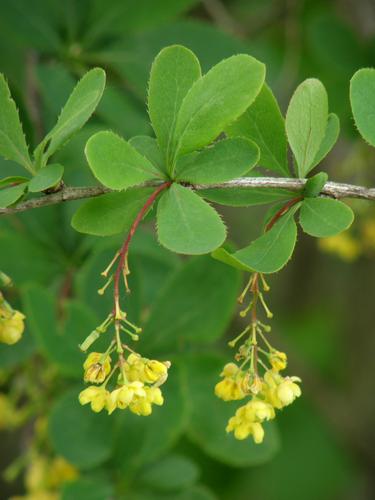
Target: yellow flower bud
column 96, row 396
column 154, row 370
column 11, row 326
column 229, row 370
column 97, row 366
column 278, row 360
column 258, row 432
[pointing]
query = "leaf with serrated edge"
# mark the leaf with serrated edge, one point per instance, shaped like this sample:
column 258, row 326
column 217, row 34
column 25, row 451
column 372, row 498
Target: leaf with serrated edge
column 263, row 123
column 173, row 72
column 12, row 140
column 117, row 164
column 215, row 100
column 110, row 213
column 362, row 99
column 270, row 252
column 79, row 107
column 306, row 123
column 324, row 217
column 187, row 224
column 148, row 147
column 223, row 161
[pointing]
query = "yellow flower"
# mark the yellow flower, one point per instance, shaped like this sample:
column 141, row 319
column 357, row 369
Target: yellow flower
column 280, row 391
column 149, row 371
column 278, row 360
column 232, row 386
column 96, row 396
column 123, row 396
column 248, row 419
column 143, row 405
column 97, row 366
column 230, row 370
column 288, row 390
column 11, row 326
column 155, row 371
column 229, row 389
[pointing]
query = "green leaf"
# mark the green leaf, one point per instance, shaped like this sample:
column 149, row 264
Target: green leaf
column 46, row 178
column 362, row 99
column 173, row 72
column 10, row 195
column 324, row 217
column 81, row 436
column 171, row 473
column 329, row 140
column 91, row 488
column 245, row 197
column 13, row 180
column 187, row 224
column 200, row 297
column 264, row 124
column 12, row 140
column 223, row 161
column 270, row 252
column 117, row 164
column 215, row 100
column 148, row 147
column 314, row 185
column 306, row 123
column 110, row 213
column 210, row 415
column 77, row 110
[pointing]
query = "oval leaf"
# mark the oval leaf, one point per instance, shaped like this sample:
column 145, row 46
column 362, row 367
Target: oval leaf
column 115, row 163
column 330, row 138
column 77, row 110
column 324, row 217
column 12, row 140
column 263, row 123
column 82, row 437
column 148, row 147
column 306, row 123
column 173, row 72
column 10, row 195
column 221, row 162
column 270, row 252
column 110, row 213
column 187, row 224
column 362, row 98
column 46, row 178
column 215, row 100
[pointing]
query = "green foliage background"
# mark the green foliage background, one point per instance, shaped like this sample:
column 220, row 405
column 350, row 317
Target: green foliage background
column 324, row 444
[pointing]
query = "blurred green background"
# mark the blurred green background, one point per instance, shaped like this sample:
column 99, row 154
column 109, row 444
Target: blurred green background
column 50, row 447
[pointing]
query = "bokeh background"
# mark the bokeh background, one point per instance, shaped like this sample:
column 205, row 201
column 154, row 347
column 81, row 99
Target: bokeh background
column 323, row 302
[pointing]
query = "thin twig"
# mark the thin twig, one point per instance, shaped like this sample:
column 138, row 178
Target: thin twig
column 333, row 189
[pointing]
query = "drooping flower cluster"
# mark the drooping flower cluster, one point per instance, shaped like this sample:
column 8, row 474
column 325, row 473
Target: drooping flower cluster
column 268, row 391
column 11, row 323
column 137, row 387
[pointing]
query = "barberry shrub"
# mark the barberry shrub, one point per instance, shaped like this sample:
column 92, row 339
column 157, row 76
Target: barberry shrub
column 146, row 331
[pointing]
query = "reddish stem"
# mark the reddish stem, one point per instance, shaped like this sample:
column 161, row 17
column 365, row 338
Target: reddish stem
column 125, row 247
column 283, row 210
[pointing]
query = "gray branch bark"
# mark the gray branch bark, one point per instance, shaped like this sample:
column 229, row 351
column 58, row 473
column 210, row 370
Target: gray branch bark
column 333, row 189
